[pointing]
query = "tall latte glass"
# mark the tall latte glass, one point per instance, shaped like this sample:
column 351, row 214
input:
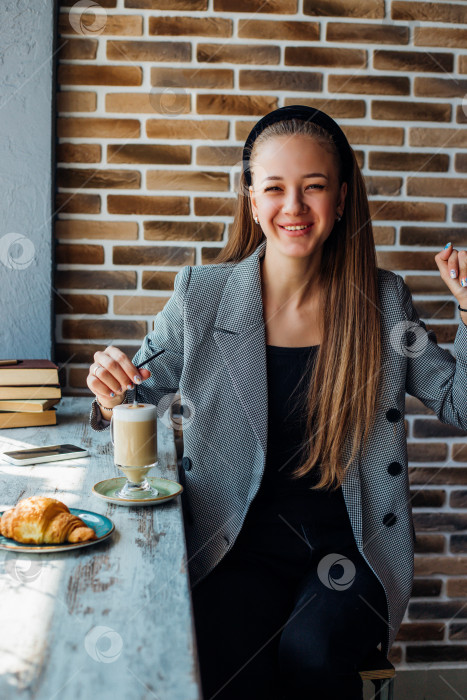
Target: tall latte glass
column 133, row 431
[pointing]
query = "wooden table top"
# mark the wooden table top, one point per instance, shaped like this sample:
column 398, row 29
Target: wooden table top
column 113, row 620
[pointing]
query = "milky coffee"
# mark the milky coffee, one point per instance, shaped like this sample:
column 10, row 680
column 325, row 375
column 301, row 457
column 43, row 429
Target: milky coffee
column 134, row 432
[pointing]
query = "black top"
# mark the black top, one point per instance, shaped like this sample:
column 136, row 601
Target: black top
column 289, row 374
column 286, row 521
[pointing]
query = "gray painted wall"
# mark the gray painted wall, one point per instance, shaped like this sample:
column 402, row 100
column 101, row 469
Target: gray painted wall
column 26, row 180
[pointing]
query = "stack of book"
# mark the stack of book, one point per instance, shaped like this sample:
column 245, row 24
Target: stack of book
column 28, row 390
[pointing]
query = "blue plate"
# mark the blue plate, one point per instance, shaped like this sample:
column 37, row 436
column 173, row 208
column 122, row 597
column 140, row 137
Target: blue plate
column 102, row 526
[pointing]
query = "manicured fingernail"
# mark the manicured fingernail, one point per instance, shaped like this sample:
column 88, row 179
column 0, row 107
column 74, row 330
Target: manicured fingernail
column 137, row 379
column 464, row 281
column 447, row 246
column 130, row 386
column 112, row 394
column 453, row 273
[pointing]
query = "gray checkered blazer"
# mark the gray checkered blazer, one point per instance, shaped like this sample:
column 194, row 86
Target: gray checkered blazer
column 213, row 332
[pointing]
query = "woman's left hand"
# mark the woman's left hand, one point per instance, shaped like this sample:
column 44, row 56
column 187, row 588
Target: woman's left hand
column 451, row 259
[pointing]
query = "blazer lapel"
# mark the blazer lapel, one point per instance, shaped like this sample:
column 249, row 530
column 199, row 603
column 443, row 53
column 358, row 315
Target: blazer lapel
column 240, row 335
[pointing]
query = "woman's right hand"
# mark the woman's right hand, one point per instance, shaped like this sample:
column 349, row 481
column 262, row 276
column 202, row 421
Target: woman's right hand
column 115, row 373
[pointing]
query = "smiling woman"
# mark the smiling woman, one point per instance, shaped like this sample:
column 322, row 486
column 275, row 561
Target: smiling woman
column 303, row 195
column 293, row 355
column 319, row 283
column 297, row 215
column 300, row 208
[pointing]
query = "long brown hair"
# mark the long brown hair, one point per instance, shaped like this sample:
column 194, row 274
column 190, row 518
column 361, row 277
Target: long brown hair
column 344, row 390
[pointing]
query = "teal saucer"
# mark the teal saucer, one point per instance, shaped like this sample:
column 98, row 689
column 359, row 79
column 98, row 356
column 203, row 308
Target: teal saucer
column 108, row 488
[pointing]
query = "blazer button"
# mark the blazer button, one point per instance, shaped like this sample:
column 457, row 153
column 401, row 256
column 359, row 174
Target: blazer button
column 393, row 415
column 395, row 468
column 186, row 463
column 389, row 519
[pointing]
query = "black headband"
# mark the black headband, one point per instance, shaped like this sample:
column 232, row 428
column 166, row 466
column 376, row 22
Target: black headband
column 309, row 114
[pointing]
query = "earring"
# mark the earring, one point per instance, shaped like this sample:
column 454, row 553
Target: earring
column 256, row 220
column 338, row 217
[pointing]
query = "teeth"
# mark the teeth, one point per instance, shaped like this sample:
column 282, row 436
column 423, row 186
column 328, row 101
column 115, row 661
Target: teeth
column 295, row 228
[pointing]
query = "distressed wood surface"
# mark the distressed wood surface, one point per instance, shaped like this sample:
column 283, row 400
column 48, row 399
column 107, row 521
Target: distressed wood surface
column 113, row 620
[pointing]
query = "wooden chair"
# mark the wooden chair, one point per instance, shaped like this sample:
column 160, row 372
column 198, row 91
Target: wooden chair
column 381, row 672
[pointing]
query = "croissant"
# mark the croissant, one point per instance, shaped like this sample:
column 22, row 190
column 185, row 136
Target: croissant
column 41, row 520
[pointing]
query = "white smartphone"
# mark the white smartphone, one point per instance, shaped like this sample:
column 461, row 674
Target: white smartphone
column 49, row 453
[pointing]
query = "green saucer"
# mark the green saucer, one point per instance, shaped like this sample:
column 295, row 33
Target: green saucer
column 167, row 489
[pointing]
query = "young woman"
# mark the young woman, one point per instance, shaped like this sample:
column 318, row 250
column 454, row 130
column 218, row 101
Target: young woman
column 294, row 352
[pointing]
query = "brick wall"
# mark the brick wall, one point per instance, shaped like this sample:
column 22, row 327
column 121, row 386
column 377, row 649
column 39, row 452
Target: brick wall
column 155, row 99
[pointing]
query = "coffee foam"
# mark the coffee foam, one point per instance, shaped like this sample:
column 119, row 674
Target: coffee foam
column 139, row 413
